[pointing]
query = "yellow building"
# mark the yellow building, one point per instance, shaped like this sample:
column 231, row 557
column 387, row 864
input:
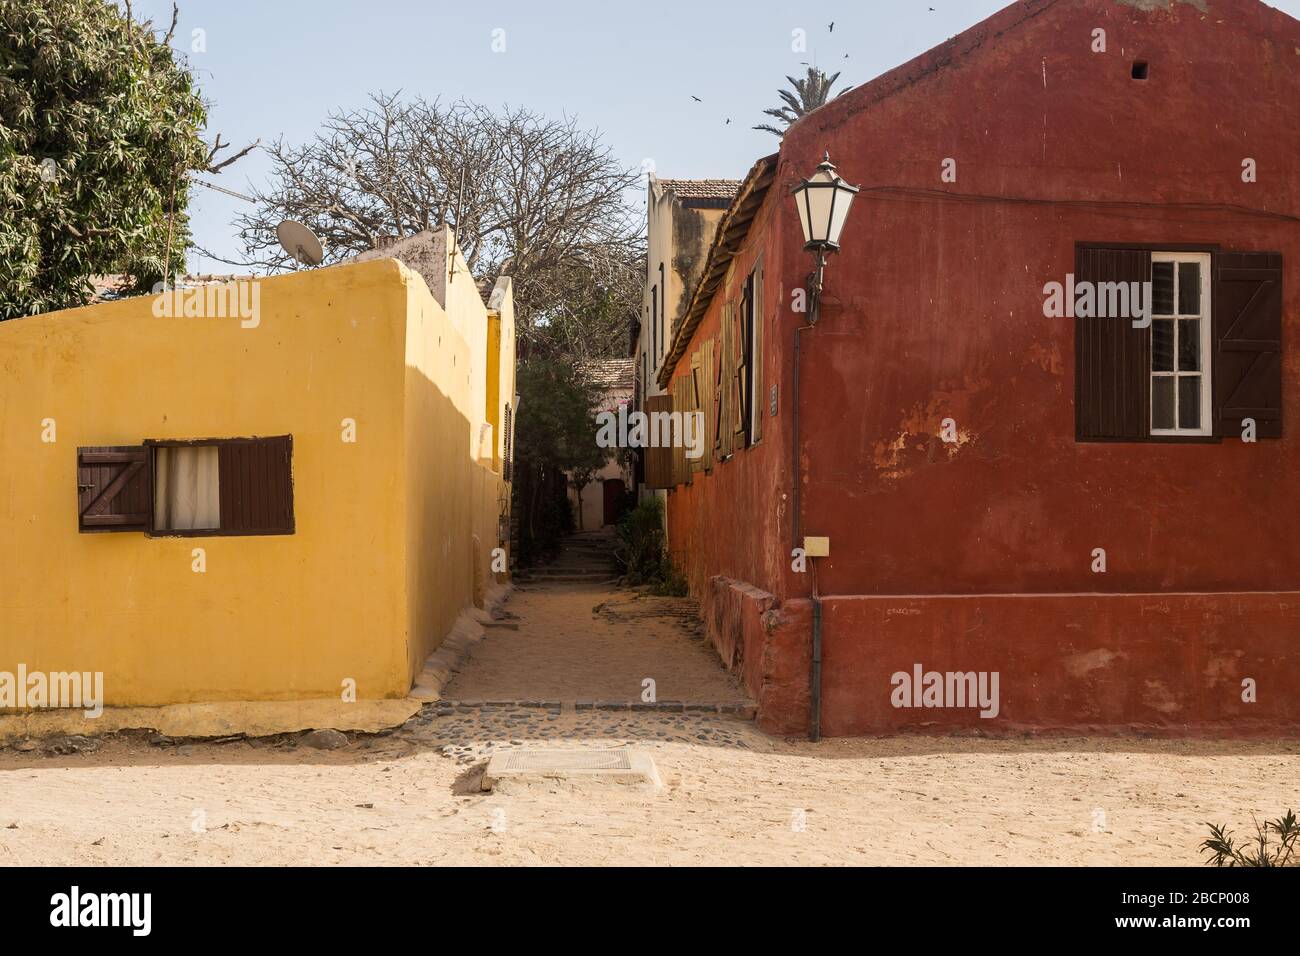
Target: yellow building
column 281, row 490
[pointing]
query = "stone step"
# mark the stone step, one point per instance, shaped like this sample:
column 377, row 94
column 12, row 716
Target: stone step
column 744, row 709
column 576, row 569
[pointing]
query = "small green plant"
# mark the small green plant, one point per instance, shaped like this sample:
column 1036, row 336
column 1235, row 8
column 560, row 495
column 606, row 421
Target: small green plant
column 641, row 551
column 671, row 582
column 1262, row 851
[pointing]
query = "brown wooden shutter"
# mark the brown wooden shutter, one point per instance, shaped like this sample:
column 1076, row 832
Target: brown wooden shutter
column 740, row 375
column 681, row 470
column 114, row 488
column 658, row 461
column 757, row 405
column 1112, row 387
column 507, row 435
column 708, row 402
column 1247, row 365
column 744, row 341
column 696, row 402
column 256, row 478
column 727, row 387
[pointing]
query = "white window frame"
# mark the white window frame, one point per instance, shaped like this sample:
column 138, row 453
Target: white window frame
column 1207, row 337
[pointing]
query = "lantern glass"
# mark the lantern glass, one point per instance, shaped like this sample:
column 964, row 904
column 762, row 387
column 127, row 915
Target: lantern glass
column 801, row 203
column 823, row 203
column 839, row 212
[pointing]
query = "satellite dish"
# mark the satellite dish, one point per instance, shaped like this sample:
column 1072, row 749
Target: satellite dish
column 300, row 243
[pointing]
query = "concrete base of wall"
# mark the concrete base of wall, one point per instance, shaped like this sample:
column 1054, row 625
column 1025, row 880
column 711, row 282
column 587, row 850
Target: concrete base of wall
column 1168, row 664
column 265, row 718
column 1215, row 665
column 455, row 647
column 216, row 719
column 767, row 643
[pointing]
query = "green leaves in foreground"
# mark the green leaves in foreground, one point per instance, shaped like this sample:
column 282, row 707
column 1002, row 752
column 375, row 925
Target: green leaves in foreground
column 99, row 125
column 1274, row 844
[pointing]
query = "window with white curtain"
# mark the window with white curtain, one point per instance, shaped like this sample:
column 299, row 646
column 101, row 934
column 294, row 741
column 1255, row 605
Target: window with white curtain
column 187, row 488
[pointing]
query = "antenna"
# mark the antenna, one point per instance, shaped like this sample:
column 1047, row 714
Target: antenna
column 300, row 243
column 455, row 230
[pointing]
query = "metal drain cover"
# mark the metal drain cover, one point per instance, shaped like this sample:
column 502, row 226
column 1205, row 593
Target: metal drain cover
column 565, row 760
column 579, row 767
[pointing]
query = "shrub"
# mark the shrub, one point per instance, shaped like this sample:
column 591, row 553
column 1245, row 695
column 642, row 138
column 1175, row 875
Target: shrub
column 641, row 552
column 1259, row 852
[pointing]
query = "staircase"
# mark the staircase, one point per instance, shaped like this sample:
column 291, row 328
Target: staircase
column 585, row 557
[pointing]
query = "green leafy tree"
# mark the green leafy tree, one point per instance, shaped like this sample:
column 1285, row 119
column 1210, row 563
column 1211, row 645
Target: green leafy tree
column 808, row 94
column 555, row 434
column 99, row 126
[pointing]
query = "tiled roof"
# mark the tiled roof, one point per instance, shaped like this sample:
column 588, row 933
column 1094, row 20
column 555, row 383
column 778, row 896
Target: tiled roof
column 608, row 374
column 726, row 241
column 107, row 288
column 702, row 188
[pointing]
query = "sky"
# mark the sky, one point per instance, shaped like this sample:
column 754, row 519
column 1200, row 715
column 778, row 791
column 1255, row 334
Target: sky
column 274, row 68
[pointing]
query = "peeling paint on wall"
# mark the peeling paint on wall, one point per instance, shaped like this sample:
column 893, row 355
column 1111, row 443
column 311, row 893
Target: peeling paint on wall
column 1158, row 697
column 1148, row 5
column 919, row 431
column 1047, row 358
column 1078, row 665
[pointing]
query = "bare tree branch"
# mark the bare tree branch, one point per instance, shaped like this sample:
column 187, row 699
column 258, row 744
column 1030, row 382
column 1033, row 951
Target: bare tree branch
column 85, row 232
column 544, row 201
column 171, row 31
column 209, row 167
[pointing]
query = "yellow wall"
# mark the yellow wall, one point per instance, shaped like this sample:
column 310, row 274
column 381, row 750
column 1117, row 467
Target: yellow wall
column 437, row 472
column 501, row 365
column 494, row 403
column 379, row 565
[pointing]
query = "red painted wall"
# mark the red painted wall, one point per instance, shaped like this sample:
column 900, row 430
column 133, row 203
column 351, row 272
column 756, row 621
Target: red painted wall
column 934, row 310
column 1151, row 663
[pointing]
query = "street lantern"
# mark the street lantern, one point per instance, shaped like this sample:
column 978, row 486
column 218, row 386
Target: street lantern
column 823, row 202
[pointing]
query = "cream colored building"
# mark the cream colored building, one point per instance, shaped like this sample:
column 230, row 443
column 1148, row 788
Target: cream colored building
column 597, row 503
column 682, row 219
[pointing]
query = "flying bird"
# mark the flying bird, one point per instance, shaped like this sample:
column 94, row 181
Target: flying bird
column 831, row 28
column 696, row 98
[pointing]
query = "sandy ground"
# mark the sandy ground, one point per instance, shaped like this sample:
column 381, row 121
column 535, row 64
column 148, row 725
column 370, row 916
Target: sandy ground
column 732, row 795
column 565, row 649
column 737, row 798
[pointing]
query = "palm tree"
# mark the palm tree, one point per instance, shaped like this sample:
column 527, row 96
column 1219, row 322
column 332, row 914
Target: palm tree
column 809, row 93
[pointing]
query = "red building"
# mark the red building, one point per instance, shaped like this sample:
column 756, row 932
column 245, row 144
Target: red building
column 1066, row 503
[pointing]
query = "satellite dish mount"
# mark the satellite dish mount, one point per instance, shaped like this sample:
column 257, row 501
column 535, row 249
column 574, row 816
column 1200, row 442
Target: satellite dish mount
column 300, row 243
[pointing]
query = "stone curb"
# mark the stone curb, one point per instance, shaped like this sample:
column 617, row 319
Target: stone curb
column 745, row 709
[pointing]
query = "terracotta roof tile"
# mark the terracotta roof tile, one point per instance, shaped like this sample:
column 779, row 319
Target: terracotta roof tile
column 701, row 188
column 608, row 374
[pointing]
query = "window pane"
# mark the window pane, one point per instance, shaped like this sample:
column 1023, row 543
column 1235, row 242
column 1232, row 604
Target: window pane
column 1189, row 345
column 186, row 486
column 1162, row 402
column 1162, row 345
column 1189, row 288
column 1162, row 292
column 1189, row 401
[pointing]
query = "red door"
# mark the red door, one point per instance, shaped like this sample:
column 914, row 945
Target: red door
column 613, row 499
